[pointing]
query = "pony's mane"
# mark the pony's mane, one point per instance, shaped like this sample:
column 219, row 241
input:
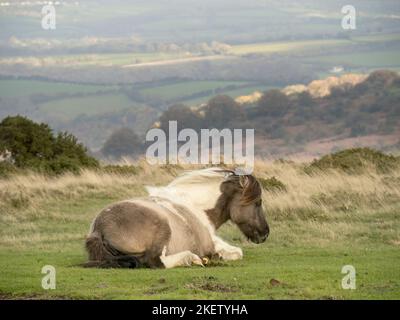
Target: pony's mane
column 251, row 188
column 199, row 176
column 200, row 188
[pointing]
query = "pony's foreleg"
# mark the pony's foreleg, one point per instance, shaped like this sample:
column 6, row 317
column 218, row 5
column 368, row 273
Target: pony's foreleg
column 226, row 251
column 180, row 259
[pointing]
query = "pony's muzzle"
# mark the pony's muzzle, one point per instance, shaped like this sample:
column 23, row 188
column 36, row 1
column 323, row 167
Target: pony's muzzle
column 259, row 238
column 262, row 237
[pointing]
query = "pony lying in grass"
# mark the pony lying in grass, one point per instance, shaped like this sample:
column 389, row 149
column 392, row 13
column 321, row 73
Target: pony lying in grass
column 175, row 225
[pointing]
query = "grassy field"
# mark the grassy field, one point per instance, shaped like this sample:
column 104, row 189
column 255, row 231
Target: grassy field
column 123, row 58
column 308, row 45
column 98, row 59
column 323, row 222
column 278, row 47
column 160, row 21
column 131, row 58
column 178, row 91
column 232, row 93
column 99, row 99
column 181, row 89
column 98, row 104
column 21, row 87
column 382, row 59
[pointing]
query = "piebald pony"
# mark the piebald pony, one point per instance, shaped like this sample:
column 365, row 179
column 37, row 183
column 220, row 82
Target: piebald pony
column 175, row 225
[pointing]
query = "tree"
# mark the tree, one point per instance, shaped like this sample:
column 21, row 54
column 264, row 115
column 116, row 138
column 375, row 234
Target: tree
column 221, row 110
column 70, row 153
column 122, row 142
column 273, row 103
column 376, row 81
column 33, row 146
column 304, row 99
column 185, row 117
column 381, row 78
column 25, row 140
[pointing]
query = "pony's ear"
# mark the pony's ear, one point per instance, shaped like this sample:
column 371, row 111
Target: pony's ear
column 244, row 181
column 251, row 188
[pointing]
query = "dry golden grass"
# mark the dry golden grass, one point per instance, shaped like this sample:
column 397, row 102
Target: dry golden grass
column 314, row 210
column 303, row 188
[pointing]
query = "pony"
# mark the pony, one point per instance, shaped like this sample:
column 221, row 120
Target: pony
column 176, row 225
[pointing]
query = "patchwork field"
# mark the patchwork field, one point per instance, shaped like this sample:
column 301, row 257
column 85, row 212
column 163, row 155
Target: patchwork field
column 232, row 93
column 182, row 89
column 376, row 59
column 97, row 59
column 22, row 87
column 98, row 104
column 69, row 100
column 279, row 47
column 309, row 45
column 321, row 223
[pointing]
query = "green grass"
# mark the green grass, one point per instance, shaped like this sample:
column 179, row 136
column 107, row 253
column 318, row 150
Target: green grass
column 100, row 59
column 303, row 273
column 176, row 90
column 20, row 87
column 351, row 220
column 378, row 38
column 308, row 45
column 72, row 107
column 287, row 46
column 379, row 59
column 179, row 90
column 114, row 58
column 95, row 102
column 246, row 91
column 232, row 93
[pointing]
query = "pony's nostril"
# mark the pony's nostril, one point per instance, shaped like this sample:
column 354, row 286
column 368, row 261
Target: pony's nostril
column 260, row 237
column 264, row 237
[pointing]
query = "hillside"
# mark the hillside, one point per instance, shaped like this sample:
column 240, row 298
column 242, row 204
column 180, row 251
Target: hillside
column 324, row 116
column 121, row 64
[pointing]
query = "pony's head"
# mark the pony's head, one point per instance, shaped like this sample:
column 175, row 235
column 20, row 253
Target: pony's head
column 241, row 195
column 223, row 195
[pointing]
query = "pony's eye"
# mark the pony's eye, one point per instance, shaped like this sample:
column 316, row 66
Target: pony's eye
column 259, row 203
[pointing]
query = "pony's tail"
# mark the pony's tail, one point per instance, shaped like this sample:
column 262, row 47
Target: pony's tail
column 103, row 255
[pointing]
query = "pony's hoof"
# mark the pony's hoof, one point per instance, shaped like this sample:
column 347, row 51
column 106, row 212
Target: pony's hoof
column 232, row 254
column 196, row 260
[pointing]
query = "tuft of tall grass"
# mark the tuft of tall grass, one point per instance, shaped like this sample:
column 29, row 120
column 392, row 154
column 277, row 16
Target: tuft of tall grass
column 324, row 206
